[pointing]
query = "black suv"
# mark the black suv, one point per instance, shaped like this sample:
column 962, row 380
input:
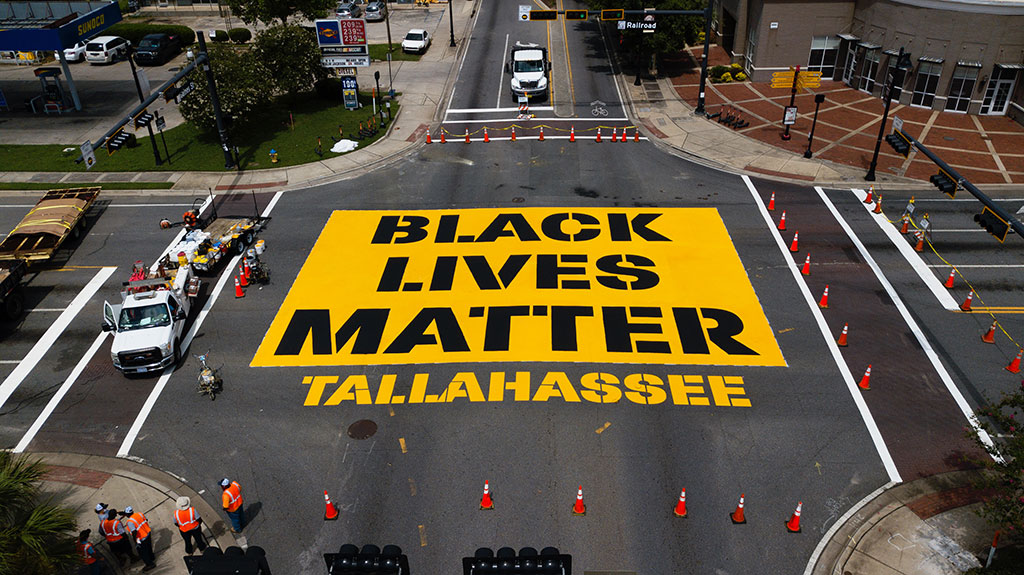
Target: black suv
column 156, row 49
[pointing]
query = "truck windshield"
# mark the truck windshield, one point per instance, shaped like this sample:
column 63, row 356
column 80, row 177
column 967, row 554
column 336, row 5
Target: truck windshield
column 155, row 315
column 529, row 66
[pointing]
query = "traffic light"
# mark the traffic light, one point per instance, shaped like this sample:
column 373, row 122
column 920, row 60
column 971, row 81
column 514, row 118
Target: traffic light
column 171, row 92
column 526, row 562
column 617, row 14
column 144, row 119
column 543, row 14
column 993, row 224
column 944, row 182
column 899, row 143
column 350, row 560
column 576, row 14
column 117, row 141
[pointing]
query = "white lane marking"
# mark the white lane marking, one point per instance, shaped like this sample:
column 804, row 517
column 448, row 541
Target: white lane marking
column 837, row 356
column 841, row 522
column 501, row 82
column 451, row 97
column 47, row 309
column 140, row 419
column 959, row 266
column 496, row 110
column 64, row 388
column 926, row 346
column 11, row 361
column 916, row 263
column 50, row 337
column 611, row 65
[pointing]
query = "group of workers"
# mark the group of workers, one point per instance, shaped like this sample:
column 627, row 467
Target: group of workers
column 135, row 527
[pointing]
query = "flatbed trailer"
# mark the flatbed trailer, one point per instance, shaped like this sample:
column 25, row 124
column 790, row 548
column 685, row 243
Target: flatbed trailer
column 60, row 214
column 213, row 239
column 12, row 301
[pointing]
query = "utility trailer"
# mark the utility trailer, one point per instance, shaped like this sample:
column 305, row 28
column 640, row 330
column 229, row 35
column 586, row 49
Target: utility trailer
column 59, row 215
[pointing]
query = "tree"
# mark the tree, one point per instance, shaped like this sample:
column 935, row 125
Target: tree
column 270, row 12
column 1006, row 508
column 291, row 57
column 673, row 32
column 241, row 88
column 37, row 537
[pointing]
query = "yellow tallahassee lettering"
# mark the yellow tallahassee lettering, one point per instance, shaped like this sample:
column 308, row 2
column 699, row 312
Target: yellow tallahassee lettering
column 596, row 387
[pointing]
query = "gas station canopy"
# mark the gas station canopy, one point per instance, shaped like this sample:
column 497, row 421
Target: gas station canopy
column 31, row 26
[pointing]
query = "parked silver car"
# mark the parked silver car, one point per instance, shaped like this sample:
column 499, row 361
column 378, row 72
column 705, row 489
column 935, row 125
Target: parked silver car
column 376, row 11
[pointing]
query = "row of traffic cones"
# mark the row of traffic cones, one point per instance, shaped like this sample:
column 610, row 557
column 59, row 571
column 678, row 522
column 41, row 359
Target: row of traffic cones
column 572, row 135
column 242, row 279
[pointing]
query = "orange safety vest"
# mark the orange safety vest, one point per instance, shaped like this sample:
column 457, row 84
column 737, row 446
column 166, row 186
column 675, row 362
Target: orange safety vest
column 88, row 553
column 187, row 520
column 138, row 524
column 232, row 497
column 112, row 530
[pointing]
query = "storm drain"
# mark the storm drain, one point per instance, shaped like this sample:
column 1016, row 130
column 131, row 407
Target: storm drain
column 362, row 429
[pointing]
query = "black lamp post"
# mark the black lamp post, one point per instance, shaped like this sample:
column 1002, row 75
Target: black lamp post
column 902, row 63
column 818, row 99
column 451, row 24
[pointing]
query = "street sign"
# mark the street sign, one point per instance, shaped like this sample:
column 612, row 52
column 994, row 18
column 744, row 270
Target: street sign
column 782, row 84
column 897, row 123
column 801, row 83
column 184, row 91
column 88, row 154
column 781, row 75
column 810, row 74
column 524, row 12
column 789, row 116
column 144, row 82
column 649, row 20
column 354, row 61
column 161, row 123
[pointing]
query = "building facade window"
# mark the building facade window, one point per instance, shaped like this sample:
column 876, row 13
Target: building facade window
column 824, row 52
column 928, row 74
column 960, row 88
column 1000, row 87
column 751, row 50
column 869, row 71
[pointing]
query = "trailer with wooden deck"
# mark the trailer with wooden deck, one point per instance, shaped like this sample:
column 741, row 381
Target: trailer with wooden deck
column 59, row 215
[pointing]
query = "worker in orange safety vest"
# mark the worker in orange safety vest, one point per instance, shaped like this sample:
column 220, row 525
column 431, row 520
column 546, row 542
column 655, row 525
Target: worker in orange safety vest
column 138, row 526
column 231, row 501
column 189, row 523
column 113, row 531
column 90, row 557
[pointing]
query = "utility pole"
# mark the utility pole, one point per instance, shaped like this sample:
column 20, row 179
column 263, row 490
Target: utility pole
column 704, row 60
column 138, row 88
column 451, row 24
column 898, row 72
column 225, row 144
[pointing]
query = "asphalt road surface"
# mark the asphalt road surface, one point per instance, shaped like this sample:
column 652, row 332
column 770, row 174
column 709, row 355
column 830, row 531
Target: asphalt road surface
column 572, row 322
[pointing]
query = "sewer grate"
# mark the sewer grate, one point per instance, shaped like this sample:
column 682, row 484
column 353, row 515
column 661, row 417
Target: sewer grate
column 362, row 429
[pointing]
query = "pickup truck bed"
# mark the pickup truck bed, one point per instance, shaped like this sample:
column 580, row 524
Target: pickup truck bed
column 52, row 220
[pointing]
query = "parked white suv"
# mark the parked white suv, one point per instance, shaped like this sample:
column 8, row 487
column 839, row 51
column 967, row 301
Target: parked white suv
column 106, row 49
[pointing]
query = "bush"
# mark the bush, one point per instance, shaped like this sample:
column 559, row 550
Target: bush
column 736, row 66
column 726, row 78
column 239, row 35
column 740, row 76
column 717, row 71
column 134, row 33
column 222, row 36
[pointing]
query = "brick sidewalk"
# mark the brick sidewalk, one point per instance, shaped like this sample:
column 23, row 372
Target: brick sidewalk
column 984, row 149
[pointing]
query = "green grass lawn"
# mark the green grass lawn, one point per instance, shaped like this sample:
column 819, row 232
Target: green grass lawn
column 290, row 128
column 380, row 52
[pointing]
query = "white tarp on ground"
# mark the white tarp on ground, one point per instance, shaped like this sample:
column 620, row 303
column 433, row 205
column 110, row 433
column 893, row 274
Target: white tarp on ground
column 342, row 146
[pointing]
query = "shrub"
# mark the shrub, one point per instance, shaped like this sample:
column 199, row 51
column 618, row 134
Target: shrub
column 717, row 71
column 700, row 38
column 239, row 35
column 222, row 36
column 736, row 66
column 134, row 33
column 740, row 76
column 727, row 77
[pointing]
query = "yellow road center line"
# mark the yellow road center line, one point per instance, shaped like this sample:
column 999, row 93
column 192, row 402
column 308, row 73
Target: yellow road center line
column 423, row 536
column 401, row 442
column 568, row 62
column 601, row 429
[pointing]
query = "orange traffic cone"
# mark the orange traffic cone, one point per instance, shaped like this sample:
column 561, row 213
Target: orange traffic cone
column 966, row 306
column 793, row 525
column 243, row 281
column 806, row 270
column 737, row 516
column 486, row 137
column 870, row 197
column 614, row 136
column 513, row 133
column 919, row 247
column 248, row 270
column 793, row 246
column 467, row 135
column 330, row 512
column 823, row 302
column 428, row 137
column 623, row 140
column 680, row 510
column 782, row 222
column 865, row 382
column 442, row 135
column 990, row 335
column 572, row 133
column 878, row 205
column 636, row 134
column 949, row 280
column 1014, row 366
column 841, row 342
column 578, row 508
column 541, row 134
column 906, row 225
column 771, row 203
column 598, row 138
column 238, row 289
column 485, row 502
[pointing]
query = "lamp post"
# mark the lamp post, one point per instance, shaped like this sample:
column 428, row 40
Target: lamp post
column 387, row 23
column 818, row 99
column 902, row 63
column 451, row 24
column 704, row 60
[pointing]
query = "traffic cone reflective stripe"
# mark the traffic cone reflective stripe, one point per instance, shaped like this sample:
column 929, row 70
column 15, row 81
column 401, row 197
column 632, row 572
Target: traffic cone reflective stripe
column 623, row 140
column 680, row 510
column 467, row 135
column 823, row 302
column 572, row 133
column 485, row 502
column 806, row 270
column 782, row 222
column 238, row 289
column 486, row 137
column 842, row 337
column 793, row 525
column 793, row 246
column 1014, row 366
column 990, row 335
column 737, row 516
column 330, row 512
column 243, row 281
column 966, row 306
column 949, row 280
column 865, row 382
column 614, row 136
column 578, row 508
column 771, row 203
column 598, row 138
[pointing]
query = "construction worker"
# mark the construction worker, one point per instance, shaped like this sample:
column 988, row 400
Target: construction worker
column 138, row 527
column 90, row 557
column 113, row 531
column 101, row 511
column 190, row 524
column 231, row 501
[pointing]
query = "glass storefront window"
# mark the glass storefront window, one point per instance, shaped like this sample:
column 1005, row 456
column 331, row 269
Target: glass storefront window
column 869, row 71
column 928, row 74
column 824, row 52
column 960, row 88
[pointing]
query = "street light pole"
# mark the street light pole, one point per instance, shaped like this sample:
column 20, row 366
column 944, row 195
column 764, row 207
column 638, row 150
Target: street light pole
column 138, row 88
column 818, row 99
column 899, row 71
column 704, row 60
column 451, row 24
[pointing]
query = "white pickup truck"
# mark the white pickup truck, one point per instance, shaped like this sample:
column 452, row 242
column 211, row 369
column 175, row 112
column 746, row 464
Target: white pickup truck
column 149, row 323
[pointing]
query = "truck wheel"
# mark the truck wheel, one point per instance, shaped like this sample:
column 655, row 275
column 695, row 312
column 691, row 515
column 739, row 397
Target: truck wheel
column 76, row 232
column 248, row 238
column 14, row 305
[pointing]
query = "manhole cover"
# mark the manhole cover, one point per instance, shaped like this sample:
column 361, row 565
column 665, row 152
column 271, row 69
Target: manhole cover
column 362, row 429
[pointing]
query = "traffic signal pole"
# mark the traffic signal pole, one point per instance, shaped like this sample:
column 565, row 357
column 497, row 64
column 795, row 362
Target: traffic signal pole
column 225, row 144
column 897, row 71
column 138, row 88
